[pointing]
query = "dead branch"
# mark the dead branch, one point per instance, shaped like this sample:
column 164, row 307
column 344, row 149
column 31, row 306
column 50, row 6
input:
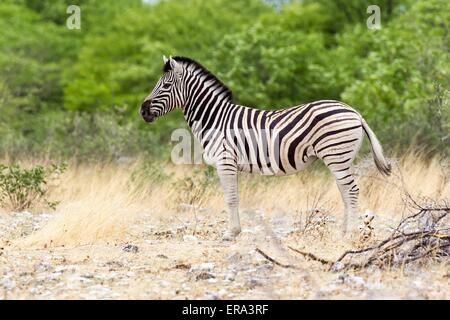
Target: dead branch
column 274, row 261
column 312, row 256
column 417, row 236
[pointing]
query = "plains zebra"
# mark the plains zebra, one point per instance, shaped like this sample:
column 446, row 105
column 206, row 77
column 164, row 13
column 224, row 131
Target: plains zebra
column 276, row 142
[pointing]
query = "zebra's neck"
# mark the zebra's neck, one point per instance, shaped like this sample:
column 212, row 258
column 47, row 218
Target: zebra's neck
column 206, row 106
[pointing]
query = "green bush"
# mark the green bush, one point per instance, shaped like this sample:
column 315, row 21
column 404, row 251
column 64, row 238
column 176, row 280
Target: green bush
column 22, row 188
column 76, row 93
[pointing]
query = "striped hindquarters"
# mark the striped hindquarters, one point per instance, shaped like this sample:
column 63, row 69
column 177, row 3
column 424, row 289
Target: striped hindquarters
column 326, row 129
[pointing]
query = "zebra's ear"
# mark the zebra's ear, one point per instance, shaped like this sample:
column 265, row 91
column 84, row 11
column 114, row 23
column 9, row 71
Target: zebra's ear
column 175, row 66
column 165, row 59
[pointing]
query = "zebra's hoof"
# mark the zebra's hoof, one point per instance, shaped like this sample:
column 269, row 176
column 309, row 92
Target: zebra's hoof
column 230, row 235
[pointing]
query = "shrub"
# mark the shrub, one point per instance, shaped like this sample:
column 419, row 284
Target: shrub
column 193, row 190
column 22, row 188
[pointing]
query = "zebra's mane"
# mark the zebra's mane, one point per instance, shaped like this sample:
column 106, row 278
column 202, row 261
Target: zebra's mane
column 208, row 76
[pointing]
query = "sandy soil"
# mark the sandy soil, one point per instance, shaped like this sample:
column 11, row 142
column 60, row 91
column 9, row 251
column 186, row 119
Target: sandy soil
column 161, row 259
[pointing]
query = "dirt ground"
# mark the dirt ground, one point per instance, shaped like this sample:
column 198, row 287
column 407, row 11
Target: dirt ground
column 157, row 262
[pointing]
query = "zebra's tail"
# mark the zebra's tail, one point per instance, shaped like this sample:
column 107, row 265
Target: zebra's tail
column 380, row 161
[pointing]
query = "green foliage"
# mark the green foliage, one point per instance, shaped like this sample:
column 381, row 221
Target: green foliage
column 21, row 188
column 264, row 59
column 399, row 75
column 116, row 69
column 29, row 58
column 77, row 92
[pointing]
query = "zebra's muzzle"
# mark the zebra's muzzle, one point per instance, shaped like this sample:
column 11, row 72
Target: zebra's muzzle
column 145, row 112
column 149, row 118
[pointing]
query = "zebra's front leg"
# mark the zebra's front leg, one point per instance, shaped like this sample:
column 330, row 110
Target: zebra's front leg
column 228, row 179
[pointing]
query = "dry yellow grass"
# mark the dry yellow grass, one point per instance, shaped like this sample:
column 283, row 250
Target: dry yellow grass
column 103, row 206
column 97, row 203
column 101, row 202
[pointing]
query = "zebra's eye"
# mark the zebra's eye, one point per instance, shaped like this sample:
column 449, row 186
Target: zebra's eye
column 167, row 85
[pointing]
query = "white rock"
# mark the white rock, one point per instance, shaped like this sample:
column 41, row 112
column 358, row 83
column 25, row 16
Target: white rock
column 222, row 292
column 338, row 266
column 106, row 276
column 351, row 280
column 207, row 266
column 189, row 237
column 164, row 283
column 7, row 283
column 358, row 281
column 210, row 296
column 230, row 276
column 254, row 230
column 79, row 279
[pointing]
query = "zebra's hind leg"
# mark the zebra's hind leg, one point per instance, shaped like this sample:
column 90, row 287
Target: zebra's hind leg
column 228, row 179
column 349, row 192
column 338, row 155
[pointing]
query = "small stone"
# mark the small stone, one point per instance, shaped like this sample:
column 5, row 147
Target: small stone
column 189, row 237
column 222, row 292
column 207, row 266
column 358, row 281
column 182, row 265
column 7, row 284
column 338, row 266
column 253, row 283
column 265, row 266
column 354, row 281
column 114, row 264
column 186, row 207
column 234, row 258
column 130, row 248
column 211, row 296
column 230, row 276
column 42, row 267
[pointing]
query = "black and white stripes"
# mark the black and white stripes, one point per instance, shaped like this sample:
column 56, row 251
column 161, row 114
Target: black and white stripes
column 279, row 142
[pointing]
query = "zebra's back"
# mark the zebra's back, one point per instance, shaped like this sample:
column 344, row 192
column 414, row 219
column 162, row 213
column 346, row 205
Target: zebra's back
column 282, row 142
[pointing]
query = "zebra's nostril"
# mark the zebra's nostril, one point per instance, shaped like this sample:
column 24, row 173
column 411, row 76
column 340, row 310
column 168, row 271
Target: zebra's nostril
column 146, row 104
column 146, row 112
column 145, row 108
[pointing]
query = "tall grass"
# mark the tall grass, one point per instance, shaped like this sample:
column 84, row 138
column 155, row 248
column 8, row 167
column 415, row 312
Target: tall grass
column 101, row 202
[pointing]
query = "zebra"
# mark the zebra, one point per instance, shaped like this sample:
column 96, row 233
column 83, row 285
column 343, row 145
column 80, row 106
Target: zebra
column 270, row 142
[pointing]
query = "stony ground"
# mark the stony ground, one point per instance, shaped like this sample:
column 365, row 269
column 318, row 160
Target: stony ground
column 162, row 259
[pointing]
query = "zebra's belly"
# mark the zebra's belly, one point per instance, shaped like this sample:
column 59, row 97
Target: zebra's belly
column 274, row 168
column 266, row 172
column 271, row 156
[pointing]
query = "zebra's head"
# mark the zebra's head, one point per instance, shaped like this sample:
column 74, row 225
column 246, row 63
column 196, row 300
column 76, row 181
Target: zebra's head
column 167, row 94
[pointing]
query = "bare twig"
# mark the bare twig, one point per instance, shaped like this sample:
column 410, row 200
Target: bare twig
column 312, row 256
column 400, row 246
column 274, row 261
